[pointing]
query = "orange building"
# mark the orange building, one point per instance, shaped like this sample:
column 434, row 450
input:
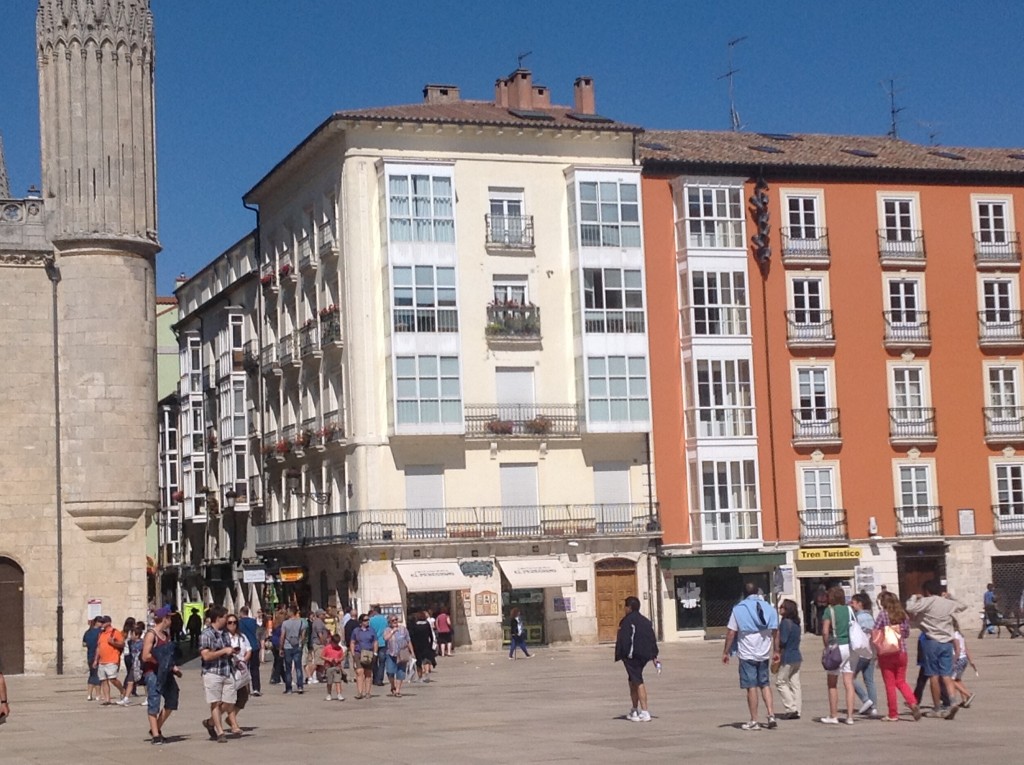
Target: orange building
column 835, row 329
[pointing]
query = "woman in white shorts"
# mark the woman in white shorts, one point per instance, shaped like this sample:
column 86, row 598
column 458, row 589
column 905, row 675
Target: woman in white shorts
column 835, row 630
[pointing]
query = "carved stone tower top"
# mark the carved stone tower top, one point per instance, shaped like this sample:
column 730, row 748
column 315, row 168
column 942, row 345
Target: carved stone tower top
column 5, row 186
column 96, row 115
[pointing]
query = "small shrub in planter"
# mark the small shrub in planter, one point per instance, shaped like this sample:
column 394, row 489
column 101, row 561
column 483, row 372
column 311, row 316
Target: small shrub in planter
column 500, row 427
column 539, row 425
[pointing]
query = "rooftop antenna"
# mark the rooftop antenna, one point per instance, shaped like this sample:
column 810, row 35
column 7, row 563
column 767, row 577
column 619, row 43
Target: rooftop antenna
column 893, row 109
column 933, row 131
column 734, row 116
column 520, row 57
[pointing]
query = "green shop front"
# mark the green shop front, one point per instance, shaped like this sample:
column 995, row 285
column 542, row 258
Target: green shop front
column 706, row 586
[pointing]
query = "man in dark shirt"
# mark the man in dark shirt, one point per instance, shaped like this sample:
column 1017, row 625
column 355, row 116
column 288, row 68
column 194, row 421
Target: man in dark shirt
column 635, row 645
column 250, row 628
column 5, row 707
column 91, row 641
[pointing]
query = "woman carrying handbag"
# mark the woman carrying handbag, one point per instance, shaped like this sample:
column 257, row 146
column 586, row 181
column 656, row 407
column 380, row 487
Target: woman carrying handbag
column 835, row 632
column 890, row 640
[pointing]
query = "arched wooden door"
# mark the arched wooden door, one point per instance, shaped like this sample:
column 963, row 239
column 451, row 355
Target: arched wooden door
column 12, row 617
column 615, row 581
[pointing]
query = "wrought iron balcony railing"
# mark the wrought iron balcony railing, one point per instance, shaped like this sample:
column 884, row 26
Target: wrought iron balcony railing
column 810, row 328
column 816, row 425
column 907, row 328
column 330, row 330
column 901, row 247
column 998, row 326
column 919, row 521
column 823, row 525
column 522, row 420
column 514, row 232
column 997, row 248
column 805, row 245
column 270, row 362
column 510, row 321
column 370, row 527
column 1004, row 424
column 1008, row 518
column 309, row 340
column 912, row 424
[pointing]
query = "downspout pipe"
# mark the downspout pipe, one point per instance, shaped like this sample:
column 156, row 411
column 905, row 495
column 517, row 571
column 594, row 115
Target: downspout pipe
column 53, row 274
column 257, row 253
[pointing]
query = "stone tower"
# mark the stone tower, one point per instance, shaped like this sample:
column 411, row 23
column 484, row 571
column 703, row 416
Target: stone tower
column 5, row 186
column 96, row 113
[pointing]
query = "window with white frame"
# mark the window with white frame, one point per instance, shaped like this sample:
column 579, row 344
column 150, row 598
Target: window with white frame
column 820, row 516
column 427, row 390
column 613, row 300
column 808, row 300
column 814, row 398
column 719, row 303
column 609, row 214
column 998, row 303
column 802, row 213
column 909, row 392
column 904, row 300
column 992, row 221
column 240, row 467
column 898, row 219
column 1010, row 494
column 238, row 409
column 714, row 217
column 917, row 511
column 192, row 364
column 510, row 291
column 724, row 399
column 1003, row 388
column 424, row 299
column 729, row 500
column 506, row 220
column 420, row 207
column 617, row 389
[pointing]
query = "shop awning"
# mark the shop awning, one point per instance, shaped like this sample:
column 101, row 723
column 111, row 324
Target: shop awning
column 726, row 560
column 432, row 575
column 530, row 573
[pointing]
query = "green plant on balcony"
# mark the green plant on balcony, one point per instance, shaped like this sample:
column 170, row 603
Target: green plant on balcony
column 500, row 427
column 539, row 425
column 495, row 328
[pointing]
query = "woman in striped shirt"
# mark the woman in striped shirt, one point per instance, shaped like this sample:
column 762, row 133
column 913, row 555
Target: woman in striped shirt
column 894, row 665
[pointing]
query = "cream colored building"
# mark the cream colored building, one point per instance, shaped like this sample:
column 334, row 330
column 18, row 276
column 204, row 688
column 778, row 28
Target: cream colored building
column 454, row 354
column 78, row 340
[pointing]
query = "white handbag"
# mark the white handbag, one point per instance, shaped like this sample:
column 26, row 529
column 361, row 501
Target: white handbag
column 860, row 643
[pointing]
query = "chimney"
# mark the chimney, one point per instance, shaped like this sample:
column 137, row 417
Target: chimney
column 520, row 89
column 179, row 280
column 583, row 95
column 501, row 93
column 541, row 96
column 440, row 94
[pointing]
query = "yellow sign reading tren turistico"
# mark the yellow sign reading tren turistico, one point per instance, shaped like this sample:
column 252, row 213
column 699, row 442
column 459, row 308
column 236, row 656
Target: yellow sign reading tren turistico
column 827, row 553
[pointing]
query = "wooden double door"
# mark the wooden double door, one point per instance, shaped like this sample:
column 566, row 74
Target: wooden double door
column 12, row 617
column 615, row 581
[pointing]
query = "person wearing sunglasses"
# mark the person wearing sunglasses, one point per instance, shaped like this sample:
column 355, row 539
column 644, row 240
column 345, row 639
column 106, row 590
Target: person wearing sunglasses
column 240, row 672
column 398, row 647
column 363, row 650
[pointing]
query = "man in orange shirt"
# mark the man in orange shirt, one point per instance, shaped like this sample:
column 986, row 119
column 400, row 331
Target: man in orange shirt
column 108, row 659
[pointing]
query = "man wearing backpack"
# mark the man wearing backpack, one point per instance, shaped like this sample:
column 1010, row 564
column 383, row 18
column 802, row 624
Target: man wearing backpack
column 754, row 629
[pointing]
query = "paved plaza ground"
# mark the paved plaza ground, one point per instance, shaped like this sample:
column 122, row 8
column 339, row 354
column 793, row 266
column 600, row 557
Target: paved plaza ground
column 565, row 705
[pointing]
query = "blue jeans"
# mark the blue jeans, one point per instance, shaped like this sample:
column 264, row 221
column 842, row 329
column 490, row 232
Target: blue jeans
column 293, row 661
column 517, row 641
column 865, row 690
column 379, row 666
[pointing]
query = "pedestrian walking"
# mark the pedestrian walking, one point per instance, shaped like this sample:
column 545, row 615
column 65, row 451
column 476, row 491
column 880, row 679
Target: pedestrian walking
column 753, row 630
column 444, row 632
column 108, row 659
column 960, row 663
column 787, row 679
column 866, row 692
column 293, row 638
column 893, row 663
column 422, row 637
column 277, row 671
column 90, row 641
column 363, row 650
column 378, row 623
column 217, row 656
column 835, row 631
column 517, row 635
column 635, row 646
column 399, row 649
column 250, row 627
column 160, row 672
column 933, row 613
column 240, row 674
column 132, row 662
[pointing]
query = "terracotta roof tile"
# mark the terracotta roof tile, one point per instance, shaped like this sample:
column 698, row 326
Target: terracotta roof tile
column 486, row 113
column 807, row 150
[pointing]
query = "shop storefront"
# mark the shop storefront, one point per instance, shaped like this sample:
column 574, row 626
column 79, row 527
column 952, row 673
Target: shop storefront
column 523, row 585
column 817, row 570
column 705, row 587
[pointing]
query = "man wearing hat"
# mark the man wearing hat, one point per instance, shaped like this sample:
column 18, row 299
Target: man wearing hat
column 108, row 658
column 159, row 670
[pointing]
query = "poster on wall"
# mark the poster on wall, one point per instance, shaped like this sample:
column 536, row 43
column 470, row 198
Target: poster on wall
column 487, row 603
column 95, row 607
column 564, row 605
column 466, row 599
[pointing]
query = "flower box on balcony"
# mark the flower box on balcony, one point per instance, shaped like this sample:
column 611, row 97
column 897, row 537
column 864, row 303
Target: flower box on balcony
column 285, row 270
column 304, row 438
column 501, row 427
column 328, row 311
column 267, row 279
column 539, row 425
column 178, row 496
column 283, row 446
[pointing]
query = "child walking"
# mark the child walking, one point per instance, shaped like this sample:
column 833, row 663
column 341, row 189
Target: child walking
column 963, row 658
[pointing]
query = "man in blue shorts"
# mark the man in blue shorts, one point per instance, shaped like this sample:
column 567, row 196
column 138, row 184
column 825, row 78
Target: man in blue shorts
column 635, row 645
column 754, row 629
column 933, row 614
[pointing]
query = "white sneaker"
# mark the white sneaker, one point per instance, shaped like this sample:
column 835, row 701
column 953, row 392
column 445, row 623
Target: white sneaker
column 830, row 720
column 752, row 725
column 645, row 716
column 865, row 706
column 340, row 698
column 633, row 716
column 330, row 697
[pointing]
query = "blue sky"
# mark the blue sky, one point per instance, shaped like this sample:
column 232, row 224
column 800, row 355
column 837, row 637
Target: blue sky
column 240, row 82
